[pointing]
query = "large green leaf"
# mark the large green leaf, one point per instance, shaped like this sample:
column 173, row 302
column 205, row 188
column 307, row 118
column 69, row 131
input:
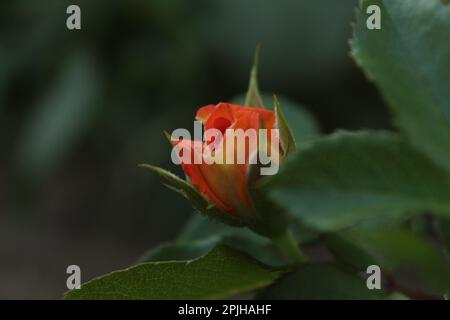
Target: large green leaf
column 179, row 251
column 264, row 252
column 398, row 249
column 349, row 252
column 394, row 249
column 199, row 227
column 409, row 61
column 221, row 273
column 320, row 281
column 241, row 239
column 346, row 177
column 201, row 234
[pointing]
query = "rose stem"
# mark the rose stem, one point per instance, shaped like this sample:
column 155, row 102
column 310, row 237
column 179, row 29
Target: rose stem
column 289, row 246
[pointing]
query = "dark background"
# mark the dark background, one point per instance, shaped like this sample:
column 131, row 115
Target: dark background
column 80, row 109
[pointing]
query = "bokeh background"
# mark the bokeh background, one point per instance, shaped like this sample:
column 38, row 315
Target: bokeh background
column 80, row 109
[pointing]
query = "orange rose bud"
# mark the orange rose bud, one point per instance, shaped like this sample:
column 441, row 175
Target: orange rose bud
column 240, row 144
column 227, row 185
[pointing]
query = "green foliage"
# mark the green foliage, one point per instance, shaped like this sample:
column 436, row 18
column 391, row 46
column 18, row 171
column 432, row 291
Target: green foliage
column 409, row 61
column 263, row 251
column 320, row 281
column 179, row 251
column 221, row 273
column 393, row 249
column 201, row 234
column 443, row 232
column 348, row 252
column 364, row 192
column 397, row 249
column 346, row 177
column 200, row 228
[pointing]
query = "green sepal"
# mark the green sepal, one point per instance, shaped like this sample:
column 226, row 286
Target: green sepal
column 286, row 136
column 253, row 97
column 179, row 185
column 196, row 199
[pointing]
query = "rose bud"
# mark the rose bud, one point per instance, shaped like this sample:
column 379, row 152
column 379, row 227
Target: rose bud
column 223, row 166
column 226, row 184
column 226, row 166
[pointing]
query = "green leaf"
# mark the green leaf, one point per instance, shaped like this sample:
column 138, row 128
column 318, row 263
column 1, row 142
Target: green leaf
column 179, row 251
column 409, row 61
column 263, row 251
column 346, row 178
column 397, row 296
column 221, row 273
column 394, row 250
column 253, row 97
column 200, row 228
column 201, row 232
column 349, row 252
column 286, row 135
column 320, row 281
column 443, row 230
column 397, row 249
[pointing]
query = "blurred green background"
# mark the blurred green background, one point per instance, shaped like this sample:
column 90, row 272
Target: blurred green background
column 80, row 109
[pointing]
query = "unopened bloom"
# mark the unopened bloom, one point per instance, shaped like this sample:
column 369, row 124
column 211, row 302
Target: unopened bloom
column 229, row 185
column 223, row 165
